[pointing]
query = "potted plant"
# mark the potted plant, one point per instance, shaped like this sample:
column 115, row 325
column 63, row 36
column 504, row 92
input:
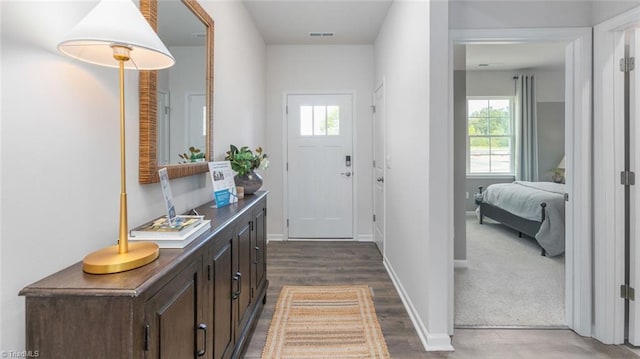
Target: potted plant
column 244, row 161
column 195, row 155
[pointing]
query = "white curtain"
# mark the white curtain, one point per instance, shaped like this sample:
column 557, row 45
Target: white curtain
column 526, row 130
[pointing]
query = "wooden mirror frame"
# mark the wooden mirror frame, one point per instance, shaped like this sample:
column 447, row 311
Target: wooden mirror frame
column 148, row 156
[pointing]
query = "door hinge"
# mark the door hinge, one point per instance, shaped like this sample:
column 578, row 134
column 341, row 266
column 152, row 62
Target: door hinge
column 566, row 197
column 374, row 217
column 209, row 272
column 627, row 64
column 286, row 109
column 287, row 222
column 287, row 165
column 146, row 337
column 374, row 163
column 627, row 292
column 373, row 108
column 627, row 178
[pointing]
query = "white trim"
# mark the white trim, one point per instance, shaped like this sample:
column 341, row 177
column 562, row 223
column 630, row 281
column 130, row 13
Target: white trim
column 431, row 342
column 275, row 237
column 578, row 105
column 608, row 193
column 460, row 263
column 364, row 238
column 285, row 143
column 381, row 85
column 322, row 239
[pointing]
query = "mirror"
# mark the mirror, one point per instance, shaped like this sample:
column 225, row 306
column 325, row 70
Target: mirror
column 176, row 104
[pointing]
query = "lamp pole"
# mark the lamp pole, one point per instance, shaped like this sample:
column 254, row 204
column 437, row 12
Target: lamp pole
column 121, row 53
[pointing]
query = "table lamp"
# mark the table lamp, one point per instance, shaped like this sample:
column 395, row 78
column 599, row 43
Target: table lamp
column 115, row 34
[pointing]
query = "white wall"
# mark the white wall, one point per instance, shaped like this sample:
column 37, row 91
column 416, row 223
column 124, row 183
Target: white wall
column 474, row 14
column 411, row 55
column 59, row 142
column 320, row 68
column 604, row 10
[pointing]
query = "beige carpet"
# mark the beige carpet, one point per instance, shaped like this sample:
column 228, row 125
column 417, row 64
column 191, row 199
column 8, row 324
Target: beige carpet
column 507, row 283
column 325, row 322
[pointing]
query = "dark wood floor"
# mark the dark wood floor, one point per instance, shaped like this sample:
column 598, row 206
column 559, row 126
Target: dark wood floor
column 336, row 263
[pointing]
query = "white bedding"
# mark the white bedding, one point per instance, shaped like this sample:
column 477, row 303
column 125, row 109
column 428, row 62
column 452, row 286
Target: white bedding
column 523, row 199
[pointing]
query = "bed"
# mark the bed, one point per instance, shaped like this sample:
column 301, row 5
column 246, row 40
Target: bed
column 535, row 209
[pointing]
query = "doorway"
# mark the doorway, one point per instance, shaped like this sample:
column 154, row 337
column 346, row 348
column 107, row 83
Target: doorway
column 488, row 96
column 320, row 166
column 578, row 158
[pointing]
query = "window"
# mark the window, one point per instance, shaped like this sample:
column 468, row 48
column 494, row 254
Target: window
column 319, row 120
column 490, row 136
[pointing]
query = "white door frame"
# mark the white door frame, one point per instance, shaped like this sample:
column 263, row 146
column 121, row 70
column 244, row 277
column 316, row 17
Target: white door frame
column 354, row 158
column 608, row 193
column 381, row 85
column 578, row 264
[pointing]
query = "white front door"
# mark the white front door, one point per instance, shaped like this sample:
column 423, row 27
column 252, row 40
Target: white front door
column 320, row 166
column 378, row 167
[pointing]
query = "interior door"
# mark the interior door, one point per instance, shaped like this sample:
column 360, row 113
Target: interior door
column 164, row 151
column 632, row 136
column 378, row 168
column 197, row 122
column 320, row 166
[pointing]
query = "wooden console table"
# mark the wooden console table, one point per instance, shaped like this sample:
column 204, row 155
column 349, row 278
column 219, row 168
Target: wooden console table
column 199, row 301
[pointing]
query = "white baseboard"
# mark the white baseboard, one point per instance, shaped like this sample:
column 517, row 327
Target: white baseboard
column 279, row 237
column 430, row 342
column 460, row 263
column 276, row 237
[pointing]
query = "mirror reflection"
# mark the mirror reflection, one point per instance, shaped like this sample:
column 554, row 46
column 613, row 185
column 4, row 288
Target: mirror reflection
column 176, row 104
column 181, row 89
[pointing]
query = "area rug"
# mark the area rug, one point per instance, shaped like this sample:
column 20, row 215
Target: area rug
column 325, row 322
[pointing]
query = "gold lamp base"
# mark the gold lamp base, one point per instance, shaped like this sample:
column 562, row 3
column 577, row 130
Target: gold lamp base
column 109, row 260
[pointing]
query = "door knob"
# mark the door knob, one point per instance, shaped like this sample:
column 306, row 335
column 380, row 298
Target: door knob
column 380, row 179
column 348, row 174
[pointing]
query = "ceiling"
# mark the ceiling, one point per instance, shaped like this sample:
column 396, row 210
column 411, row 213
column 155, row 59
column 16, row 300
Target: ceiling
column 178, row 26
column 352, row 22
column 359, row 21
column 290, row 22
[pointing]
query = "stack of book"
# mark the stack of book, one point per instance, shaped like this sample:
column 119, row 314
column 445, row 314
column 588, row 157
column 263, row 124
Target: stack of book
column 184, row 230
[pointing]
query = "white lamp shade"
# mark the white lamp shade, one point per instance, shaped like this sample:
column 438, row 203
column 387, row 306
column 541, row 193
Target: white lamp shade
column 561, row 164
column 116, row 22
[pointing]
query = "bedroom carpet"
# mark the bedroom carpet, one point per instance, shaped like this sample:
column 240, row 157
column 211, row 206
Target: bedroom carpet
column 507, row 283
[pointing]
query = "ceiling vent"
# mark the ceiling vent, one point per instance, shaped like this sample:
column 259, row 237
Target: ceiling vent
column 321, row 34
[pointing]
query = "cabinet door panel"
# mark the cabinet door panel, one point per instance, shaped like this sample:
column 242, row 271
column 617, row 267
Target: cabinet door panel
column 222, row 304
column 173, row 315
column 259, row 244
column 244, row 269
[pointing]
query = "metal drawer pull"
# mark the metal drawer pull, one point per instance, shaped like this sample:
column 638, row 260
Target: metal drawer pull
column 202, row 352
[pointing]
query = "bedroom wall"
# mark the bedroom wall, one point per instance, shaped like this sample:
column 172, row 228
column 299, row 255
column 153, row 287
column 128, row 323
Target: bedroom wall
column 59, row 142
column 550, row 101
